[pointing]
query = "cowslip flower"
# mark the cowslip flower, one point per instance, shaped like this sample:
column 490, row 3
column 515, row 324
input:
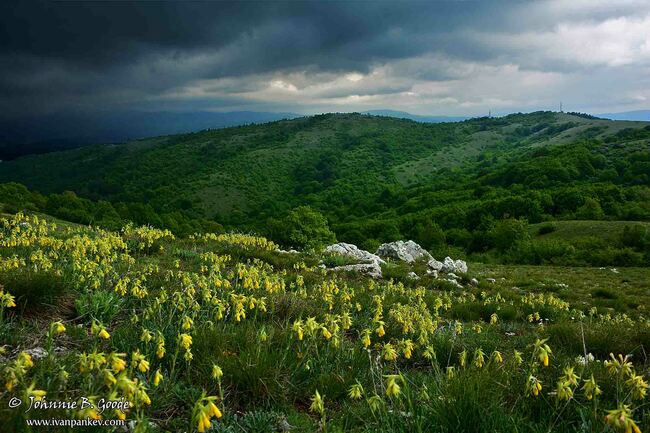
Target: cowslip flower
column 479, row 358
column 185, row 341
column 392, row 387
column 621, row 418
column 57, row 327
column 187, row 323
column 356, row 391
column 298, row 329
column 116, row 361
column 146, row 335
column 591, row 388
column 139, row 361
column 564, row 390
column 542, row 351
column 533, row 386
column 638, row 386
column 157, row 378
column 388, row 352
column 621, row 366
column 569, row 376
column 217, row 373
column 365, row 339
column 317, row 403
column 204, row 411
column 38, row 394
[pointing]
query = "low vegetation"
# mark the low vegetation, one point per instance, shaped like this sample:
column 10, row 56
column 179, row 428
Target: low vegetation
column 455, row 188
column 221, row 332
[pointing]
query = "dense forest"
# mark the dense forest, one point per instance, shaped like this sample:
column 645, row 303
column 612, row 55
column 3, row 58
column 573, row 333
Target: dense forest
column 490, row 188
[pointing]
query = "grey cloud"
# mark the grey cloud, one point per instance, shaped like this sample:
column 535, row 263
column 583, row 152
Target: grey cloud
column 60, row 56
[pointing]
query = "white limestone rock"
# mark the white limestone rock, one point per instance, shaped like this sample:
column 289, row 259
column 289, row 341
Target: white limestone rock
column 352, row 251
column 371, row 269
column 408, row 251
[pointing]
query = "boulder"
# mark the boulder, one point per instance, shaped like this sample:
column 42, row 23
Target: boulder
column 435, row 265
column 473, row 282
column 407, row 251
column 461, row 266
column 371, row 269
column 454, row 266
column 432, row 273
column 352, row 251
column 413, row 276
column 281, row 251
column 37, row 353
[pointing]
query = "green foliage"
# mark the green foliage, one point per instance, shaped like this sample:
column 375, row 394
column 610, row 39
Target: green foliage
column 375, row 180
column 590, row 210
column 302, row 227
column 506, row 233
column 546, row 229
column 101, row 305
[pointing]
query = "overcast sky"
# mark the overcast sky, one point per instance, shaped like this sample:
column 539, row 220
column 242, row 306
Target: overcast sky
column 442, row 58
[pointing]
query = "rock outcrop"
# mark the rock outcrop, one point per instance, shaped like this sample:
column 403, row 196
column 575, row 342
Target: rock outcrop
column 352, row 251
column 435, row 265
column 450, row 265
column 407, row 251
column 371, row 269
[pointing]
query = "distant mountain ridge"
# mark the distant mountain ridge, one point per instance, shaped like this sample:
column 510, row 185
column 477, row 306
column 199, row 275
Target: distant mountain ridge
column 637, row 115
column 415, row 117
column 63, row 131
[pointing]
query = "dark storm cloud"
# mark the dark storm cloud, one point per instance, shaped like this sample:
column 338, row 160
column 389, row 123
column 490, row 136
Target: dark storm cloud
column 298, row 56
column 76, row 48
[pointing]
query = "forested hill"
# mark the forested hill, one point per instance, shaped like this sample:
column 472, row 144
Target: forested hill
column 375, row 178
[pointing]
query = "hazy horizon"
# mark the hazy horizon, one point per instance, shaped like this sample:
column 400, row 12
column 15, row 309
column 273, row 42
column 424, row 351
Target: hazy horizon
column 87, row 62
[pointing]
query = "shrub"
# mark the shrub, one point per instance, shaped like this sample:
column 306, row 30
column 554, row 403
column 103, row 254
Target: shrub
column 506, row 233
column 546, row 229
column 303, row 227
column 635, row 236
column 590, row 210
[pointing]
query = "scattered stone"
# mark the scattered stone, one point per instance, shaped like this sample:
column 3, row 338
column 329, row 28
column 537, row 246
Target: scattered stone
column 371, row 269
column 452, row 276
column 281, row 251
column 435, row 265
column 461, row 266
column 284, row 425
column 413, row 276
column 450, row 265
column 473, row 282
column 614, row 270
column 407, row 251
column 432, row 273
column 491, row 280
column 352, row 251
column 37, row 353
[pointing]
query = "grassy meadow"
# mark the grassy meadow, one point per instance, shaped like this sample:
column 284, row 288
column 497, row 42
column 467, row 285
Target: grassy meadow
column 224, row 333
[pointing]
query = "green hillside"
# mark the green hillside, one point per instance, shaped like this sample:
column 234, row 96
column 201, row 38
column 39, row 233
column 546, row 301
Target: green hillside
column 375, row 179
column 568, row 230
